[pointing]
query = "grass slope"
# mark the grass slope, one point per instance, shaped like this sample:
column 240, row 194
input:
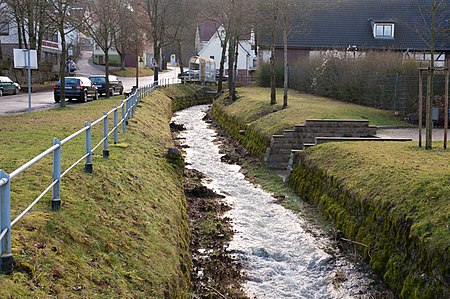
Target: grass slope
column 253, row 107
column 121, row 232
column 395, row 199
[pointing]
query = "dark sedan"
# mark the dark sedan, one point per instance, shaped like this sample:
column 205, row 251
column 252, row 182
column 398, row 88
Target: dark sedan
column 79, row 88
column 115, row 85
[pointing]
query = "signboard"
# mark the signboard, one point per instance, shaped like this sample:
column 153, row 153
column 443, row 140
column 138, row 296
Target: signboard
column 50, row 44
column 173, row 59
column 21, row 59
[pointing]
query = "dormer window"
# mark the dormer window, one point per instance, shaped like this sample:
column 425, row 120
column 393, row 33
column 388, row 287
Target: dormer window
column 383, row 30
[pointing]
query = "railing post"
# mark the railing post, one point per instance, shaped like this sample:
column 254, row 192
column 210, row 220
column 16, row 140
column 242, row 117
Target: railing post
column 105, row 136
column 133, row 105
column 116, row 129
column 88, row 166
column 6, row 258
column 127, row 108
column 124, row 125
column 56, row 190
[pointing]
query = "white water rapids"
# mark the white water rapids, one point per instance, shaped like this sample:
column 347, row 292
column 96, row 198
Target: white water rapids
column 280, row 258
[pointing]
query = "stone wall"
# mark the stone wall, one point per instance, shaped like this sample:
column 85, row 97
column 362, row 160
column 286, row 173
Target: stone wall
column 278, row 153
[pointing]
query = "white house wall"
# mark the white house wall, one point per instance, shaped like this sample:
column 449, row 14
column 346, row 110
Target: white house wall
column 213, row 49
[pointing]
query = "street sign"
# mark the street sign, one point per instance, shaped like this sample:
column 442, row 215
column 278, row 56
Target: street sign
column 26, row 58
column 21, row 59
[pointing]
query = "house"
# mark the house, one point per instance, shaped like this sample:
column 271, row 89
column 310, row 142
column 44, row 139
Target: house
column 246, row 62
column 357, row 26
column 144, row 59
column 50, row 53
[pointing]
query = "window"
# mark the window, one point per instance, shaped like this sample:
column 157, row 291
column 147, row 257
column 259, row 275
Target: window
column 4, row 28
column 383, row 30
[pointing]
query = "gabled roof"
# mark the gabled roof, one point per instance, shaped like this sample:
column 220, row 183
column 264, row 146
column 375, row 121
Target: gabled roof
column 207, row 29
column 348, row 23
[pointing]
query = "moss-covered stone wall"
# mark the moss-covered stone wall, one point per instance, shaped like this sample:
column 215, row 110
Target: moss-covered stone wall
column 253, row 141
column 401, row 259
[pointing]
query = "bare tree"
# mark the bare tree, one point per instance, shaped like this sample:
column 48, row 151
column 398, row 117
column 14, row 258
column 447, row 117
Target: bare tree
column 32, row 24
column 433, row 27
column 5, row 17
column 234, row 18
column 217, row 13
column 101, row 21
column 59, row 12
column 158, row 14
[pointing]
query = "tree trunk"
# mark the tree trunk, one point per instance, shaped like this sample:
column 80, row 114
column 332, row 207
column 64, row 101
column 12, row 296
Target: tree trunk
column 273, row 82
column 107, row 73
column 180, row 56
column 236, row 57
column 62, row 68
column 157, row 53
column 222, row 63
column 286, row 67
column 429, row 117
column 137, row 69
column 231, row 75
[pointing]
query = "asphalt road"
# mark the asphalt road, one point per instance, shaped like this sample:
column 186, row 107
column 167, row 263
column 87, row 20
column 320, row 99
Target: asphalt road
column 44, row 100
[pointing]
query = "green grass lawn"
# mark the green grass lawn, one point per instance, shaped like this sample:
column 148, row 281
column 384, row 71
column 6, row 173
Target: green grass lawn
column 415, row 181
column 121, row 231
column 253, row 106
column 131, row 72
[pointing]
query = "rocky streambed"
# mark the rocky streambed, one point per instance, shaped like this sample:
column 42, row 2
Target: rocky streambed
column 244, row 243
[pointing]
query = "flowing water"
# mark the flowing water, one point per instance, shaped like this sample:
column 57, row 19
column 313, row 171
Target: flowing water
column 281, row 258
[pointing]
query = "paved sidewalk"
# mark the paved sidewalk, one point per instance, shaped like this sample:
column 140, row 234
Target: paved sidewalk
column 413, row 133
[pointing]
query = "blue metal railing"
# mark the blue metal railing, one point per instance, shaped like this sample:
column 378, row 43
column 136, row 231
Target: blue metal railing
column 127, row 107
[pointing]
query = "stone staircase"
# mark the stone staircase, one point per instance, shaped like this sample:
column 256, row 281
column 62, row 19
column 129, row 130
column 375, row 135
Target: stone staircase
column 316, row 132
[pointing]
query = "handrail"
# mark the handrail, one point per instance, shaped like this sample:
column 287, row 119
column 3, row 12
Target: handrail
column 32, row 162
column 128, row 107
column 65, row 140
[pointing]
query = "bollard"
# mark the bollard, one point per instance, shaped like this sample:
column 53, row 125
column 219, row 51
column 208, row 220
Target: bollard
column 116, row 129
column 56, row 189
column 6, row 258
column 88, row 166
column 105, row 136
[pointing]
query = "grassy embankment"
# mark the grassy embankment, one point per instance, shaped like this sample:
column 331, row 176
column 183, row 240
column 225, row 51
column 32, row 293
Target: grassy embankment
column 122, row 231
column 253, row 113
column 393, row 197
column 131, row 72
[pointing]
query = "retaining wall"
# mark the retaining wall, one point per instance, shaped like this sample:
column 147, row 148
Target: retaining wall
column 278, row 153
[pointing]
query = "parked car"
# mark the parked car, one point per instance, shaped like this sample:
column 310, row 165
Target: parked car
column 115, row 85
column 80, row 88
column 8, row 86
column 189, row 76
column 224, row 77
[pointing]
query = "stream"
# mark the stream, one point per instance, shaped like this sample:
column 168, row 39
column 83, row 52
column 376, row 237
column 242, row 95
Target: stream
column 281, row 257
